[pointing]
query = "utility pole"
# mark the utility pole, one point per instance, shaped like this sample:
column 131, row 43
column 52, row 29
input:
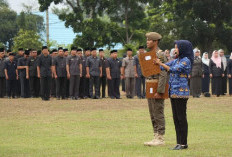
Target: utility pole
column 47, row 26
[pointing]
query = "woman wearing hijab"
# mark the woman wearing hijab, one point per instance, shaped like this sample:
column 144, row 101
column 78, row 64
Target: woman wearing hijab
column 196, row 75
column 224, row 79
column 216, row 73
column 179, row 90
column 205, row 79
column 229, row 72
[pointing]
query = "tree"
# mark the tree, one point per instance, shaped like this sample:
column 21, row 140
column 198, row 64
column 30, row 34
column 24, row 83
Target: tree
column 8, row 26
column 102, row 22
column 27, row 39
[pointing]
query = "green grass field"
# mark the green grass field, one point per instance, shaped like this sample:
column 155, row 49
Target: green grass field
column 105, row 128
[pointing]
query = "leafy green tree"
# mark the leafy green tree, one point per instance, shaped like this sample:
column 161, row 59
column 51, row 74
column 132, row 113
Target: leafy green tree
column 27, row 39
column 8, row 26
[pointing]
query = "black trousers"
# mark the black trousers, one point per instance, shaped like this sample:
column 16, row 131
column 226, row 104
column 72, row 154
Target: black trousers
column 45, row 85
column 217, row 85
column 18, row 88
column 230, row 86
column 94, row 82
column 2, row 87
column 11, row 87
column 34, row 86
column 140, row 82
column 53, row 87
column 103, row 86
column 179, row 107
column 114, row 87
column 123, row 85
column 61, row 87
column 83, row 87
column 25, row 88
column 109, row 88
column 67, row 88
column 87, row 87
column 74, row 83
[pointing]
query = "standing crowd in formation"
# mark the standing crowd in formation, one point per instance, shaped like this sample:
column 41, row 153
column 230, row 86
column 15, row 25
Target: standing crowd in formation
column 80, row 75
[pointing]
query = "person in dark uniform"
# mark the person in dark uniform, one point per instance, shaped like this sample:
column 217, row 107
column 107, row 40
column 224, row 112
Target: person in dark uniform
column 66, row 54
column 74, row 72
column 16, row 58
column 59, row 70
column 87, row 55
column 123, row 79
column 94, row 72
column 114, row 74
column 103, row 78
column 224, row 79
column 216, row 73
column 229, row 73
column 205, row 79
column 44, row 70
column 2, row 73
column 140, row 79
column 108, row 80
column 32, row 74
column 24, row 82
column 11, row 74
column 196, row 75
column 54, row 54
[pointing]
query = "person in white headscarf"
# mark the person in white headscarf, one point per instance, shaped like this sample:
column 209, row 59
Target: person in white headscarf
column 206, row 78
column 229, row 72
column 196, row 75
column 224, row 79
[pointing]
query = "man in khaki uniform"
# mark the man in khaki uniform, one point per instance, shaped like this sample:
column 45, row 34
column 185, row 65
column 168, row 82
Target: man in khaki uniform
column 156, row 105
column 129, row 74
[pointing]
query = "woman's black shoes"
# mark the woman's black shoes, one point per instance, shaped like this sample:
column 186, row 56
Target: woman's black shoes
column 180, row 147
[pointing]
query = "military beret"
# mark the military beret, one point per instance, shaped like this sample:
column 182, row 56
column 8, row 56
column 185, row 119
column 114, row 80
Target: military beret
column 65, row 49
column 153, row 36
column 54, row 50
column 2, row 49
column 79, row 49
column 129, row 49
column 141, row 47
column 113, row 51
column 44, row 47
column 20, row 49
column 101, row 50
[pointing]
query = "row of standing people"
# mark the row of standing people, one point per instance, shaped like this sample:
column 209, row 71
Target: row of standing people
column 58, row 74
column 217, row 69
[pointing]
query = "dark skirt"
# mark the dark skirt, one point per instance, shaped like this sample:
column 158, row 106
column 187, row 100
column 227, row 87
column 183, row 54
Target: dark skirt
column 224, row 85
column 195, row 86
column 216, row 86
column 205, row 84
column 230, row 86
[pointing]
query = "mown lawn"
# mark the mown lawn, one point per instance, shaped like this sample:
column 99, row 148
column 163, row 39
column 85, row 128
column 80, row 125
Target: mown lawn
column 105, row 128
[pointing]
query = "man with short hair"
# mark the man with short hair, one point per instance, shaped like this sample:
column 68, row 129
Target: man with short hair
column 140, row 79
column 11, row 74
column 94, row 72
column 129, row 73
column 103, row 78
column 114, row 74
column 59, row 70
column 44, row 70
column 74, row 72
column 2, row 73
column 34, row 81
column 24, row 82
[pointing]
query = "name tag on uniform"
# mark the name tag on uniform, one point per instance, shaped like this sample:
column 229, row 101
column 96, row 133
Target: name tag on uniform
column 147, row 58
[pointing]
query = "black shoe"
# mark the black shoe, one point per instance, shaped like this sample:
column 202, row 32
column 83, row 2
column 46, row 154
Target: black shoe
column 180, row 147
column 118, row 98
column 103, row 97
column 77, row 98
column 85, row 97
column 112, row 97
column 97, row 97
